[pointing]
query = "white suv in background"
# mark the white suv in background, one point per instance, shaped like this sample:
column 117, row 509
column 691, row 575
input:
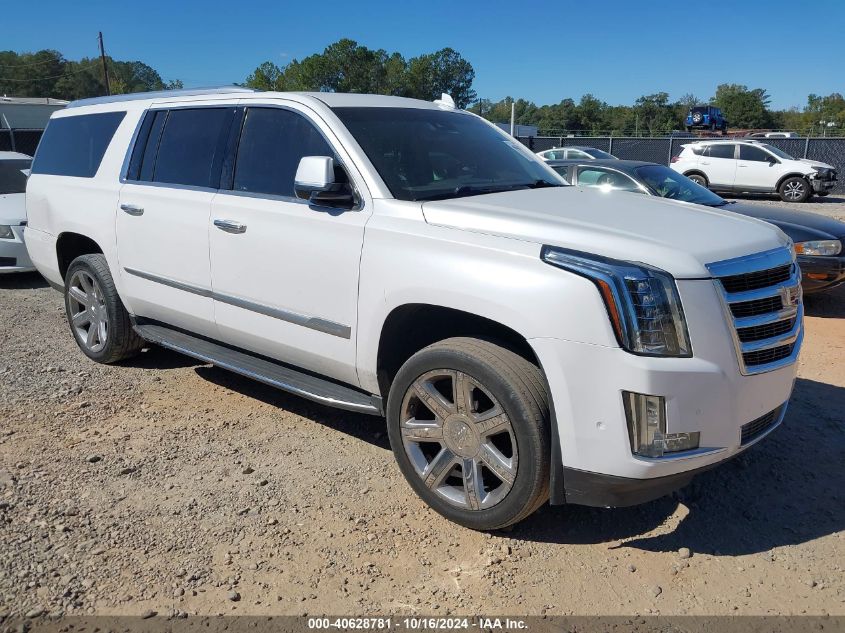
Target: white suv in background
column 14, row 169
column 525, row 339
column 754, row 167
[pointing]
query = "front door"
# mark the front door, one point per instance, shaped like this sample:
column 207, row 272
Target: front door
column 163, row 215
column 755, row 168
column 285, row 273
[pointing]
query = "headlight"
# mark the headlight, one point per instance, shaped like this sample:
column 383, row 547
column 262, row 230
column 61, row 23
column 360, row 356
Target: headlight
column 816, row 247
column 6, row 232
column 642, row 302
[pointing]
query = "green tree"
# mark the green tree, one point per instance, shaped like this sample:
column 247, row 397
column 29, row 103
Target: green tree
column 830, row 109
column 443, row 71
column 267, row 76
column 347, row 66
column 47, row 73
column 742, row 107
column 653, row 114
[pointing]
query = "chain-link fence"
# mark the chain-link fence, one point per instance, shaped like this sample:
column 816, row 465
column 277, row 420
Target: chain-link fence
column 20, row 140
column 661, row 150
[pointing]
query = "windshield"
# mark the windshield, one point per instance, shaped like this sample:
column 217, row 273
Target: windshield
column 598, row 154
column 434, row 155
column 12, row 175
column 777, row 152
column 670, row 184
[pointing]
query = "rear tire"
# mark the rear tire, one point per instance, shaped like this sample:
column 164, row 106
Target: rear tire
column 97, row 317
column 795, row 189
column 699, row 179
column 479, row 459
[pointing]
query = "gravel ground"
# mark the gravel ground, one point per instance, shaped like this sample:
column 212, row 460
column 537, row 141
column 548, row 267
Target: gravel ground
column 832, row 206
column 162, row 485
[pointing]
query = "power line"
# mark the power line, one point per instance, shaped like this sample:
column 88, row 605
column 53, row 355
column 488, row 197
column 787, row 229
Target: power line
column 64, row 74
column 41, row 63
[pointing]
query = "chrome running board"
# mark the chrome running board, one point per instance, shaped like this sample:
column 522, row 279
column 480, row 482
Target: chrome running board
column 263, row 370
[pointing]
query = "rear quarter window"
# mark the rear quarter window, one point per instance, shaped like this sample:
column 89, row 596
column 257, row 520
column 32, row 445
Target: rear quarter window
column 75, row 145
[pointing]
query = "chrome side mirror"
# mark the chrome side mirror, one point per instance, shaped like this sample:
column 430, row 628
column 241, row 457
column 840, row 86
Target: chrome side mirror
column 313, row 175
column 315, row 182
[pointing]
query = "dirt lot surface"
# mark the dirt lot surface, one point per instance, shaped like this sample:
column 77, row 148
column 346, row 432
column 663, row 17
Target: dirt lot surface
column 161, row 485
column 832, row 205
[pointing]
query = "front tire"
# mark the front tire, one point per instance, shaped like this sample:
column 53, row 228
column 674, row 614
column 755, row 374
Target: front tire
column 795, row 189
column 468, row 422
column 97, row 317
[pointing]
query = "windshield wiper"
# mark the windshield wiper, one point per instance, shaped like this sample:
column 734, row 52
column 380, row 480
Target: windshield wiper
column 463, row 191
column 539, row 184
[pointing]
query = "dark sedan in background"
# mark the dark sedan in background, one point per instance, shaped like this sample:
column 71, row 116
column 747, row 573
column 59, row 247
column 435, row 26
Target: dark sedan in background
column 818, row 240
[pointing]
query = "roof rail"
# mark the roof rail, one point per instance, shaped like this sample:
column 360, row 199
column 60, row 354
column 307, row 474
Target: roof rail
column 138, row 96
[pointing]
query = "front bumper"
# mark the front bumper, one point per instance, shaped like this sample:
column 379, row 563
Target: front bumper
column 706, row 394
column 823, row 185
column 821, row 273
column 609, row 491
column 13, row 255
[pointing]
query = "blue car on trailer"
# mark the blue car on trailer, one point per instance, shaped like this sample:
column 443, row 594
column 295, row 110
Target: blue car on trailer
column 706, row 117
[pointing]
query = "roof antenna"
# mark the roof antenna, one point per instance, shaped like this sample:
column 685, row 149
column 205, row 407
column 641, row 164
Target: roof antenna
column 445, row 101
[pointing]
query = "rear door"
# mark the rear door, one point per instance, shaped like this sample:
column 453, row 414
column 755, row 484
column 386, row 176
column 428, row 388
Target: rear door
column 163, row 216
column 755, row 168
column 718, row 162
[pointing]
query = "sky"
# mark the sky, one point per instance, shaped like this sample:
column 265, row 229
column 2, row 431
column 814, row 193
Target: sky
column 541, row 51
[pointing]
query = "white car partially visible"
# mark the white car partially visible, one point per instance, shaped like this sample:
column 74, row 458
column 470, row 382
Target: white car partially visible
column 754, row 167
column 14, row 170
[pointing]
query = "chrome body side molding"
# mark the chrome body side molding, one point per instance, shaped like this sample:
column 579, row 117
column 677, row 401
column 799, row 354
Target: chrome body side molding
column 311, row 322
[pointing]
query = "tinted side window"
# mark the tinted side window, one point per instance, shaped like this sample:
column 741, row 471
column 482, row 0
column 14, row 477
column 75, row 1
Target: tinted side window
column 597, row 177
column 74, row 145
column 272, row 143
column 146, row 145
column 722, row 151
column 191, row 147
column 749, row 152
column 13, row 175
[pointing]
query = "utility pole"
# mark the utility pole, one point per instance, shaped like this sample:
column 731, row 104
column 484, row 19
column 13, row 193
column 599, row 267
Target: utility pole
column 105, row 68
column 513, row 116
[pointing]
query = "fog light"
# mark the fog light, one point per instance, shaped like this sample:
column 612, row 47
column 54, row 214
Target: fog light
column 647, row 427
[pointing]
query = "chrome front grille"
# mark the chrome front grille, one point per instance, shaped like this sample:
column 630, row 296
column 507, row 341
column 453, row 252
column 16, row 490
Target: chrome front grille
column 762, row 299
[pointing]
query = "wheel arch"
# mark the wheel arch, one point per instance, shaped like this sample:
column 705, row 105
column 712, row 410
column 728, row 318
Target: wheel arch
column 436, row 323
column 790, row 175
column 410, row 327
column 70, row 245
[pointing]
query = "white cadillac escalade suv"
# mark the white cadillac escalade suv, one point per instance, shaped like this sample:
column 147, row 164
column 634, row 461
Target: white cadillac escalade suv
column 526, row 340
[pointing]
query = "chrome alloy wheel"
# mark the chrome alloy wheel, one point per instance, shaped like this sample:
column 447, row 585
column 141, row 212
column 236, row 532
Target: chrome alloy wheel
column 459, row 439
column 88, row 315
column 794, row 190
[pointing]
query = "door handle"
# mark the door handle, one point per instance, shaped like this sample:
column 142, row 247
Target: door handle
column 132, row 209
column 230, row 226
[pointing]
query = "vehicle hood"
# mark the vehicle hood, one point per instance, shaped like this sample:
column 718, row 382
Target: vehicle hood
column 678, row 237
column 12, row 208
column 799, row 225
column 815, row 163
